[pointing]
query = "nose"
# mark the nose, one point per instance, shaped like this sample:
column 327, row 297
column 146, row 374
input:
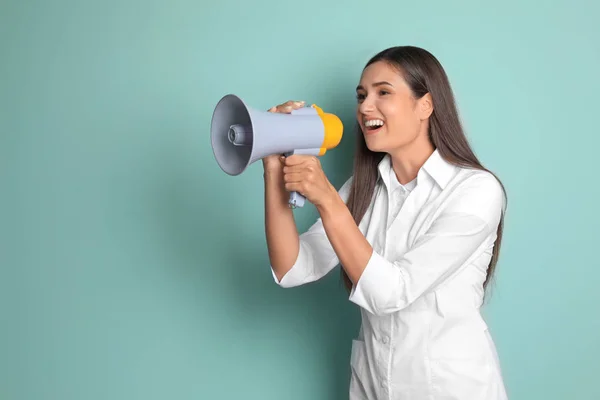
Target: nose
column 366, row 106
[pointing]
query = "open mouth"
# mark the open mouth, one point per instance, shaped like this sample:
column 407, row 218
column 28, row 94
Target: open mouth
column 373, row 125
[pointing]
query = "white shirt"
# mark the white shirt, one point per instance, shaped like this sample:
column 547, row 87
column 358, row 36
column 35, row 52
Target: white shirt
column 422, row 336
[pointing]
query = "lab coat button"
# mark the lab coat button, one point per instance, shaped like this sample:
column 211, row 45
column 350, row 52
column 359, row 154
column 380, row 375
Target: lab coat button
column 385, row 340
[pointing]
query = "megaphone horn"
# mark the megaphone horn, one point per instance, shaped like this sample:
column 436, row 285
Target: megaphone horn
column 241, row 135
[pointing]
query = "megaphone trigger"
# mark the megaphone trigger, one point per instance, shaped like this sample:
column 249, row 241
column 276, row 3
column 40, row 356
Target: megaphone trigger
column 296, row 198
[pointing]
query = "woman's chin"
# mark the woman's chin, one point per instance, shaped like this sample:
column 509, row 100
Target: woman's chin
column 373, row 144
column 375, row 148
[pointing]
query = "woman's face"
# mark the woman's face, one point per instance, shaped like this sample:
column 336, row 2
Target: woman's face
column 389, row 115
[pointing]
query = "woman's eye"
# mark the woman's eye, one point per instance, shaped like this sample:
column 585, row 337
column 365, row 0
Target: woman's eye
column 383, row 92
column 360, row 96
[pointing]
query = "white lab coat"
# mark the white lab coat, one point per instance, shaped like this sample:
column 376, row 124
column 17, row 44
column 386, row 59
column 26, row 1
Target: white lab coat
column 422, row 336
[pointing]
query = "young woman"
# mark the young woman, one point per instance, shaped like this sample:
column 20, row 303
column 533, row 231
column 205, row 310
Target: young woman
column 416, row 230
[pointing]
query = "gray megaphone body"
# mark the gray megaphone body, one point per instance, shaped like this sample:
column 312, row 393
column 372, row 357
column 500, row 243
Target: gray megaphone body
column 241, row 135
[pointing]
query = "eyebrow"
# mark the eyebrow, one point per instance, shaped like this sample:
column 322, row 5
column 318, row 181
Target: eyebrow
column 360, row 87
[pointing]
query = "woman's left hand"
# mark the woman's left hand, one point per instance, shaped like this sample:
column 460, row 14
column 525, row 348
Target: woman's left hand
column 303, row 174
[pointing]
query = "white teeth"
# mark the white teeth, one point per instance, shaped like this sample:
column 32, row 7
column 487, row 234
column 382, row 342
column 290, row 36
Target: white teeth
column 374, row 122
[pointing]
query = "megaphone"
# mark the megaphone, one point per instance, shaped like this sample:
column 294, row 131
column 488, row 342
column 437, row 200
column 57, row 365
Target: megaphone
column 241, row 135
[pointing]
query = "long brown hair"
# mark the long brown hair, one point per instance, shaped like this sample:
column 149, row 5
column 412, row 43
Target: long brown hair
column 424, row 74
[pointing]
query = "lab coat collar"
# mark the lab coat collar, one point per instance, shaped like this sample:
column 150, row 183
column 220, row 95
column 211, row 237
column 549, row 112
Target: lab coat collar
column 435, row 167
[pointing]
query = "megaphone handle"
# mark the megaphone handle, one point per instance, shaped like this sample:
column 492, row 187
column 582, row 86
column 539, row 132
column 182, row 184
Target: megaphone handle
column 296, row 199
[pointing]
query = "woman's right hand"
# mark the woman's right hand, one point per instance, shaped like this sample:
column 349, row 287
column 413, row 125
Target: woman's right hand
column 273, row 162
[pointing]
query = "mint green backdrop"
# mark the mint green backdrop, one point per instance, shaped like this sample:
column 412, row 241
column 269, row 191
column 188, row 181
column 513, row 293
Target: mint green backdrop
column 134, row 268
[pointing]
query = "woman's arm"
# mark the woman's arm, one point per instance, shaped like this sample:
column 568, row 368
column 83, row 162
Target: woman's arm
column 381, row 286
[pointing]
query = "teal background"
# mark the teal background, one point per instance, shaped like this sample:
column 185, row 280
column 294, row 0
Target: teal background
column 130, row 269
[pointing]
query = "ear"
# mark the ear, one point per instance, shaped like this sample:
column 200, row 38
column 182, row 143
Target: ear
column 425, row 106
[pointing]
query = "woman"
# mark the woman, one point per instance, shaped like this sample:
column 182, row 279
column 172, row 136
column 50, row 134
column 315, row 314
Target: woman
column 416, row 229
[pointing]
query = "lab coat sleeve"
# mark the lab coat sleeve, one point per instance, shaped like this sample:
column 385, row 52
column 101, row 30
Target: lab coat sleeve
column 463, row 228
column 316, row 257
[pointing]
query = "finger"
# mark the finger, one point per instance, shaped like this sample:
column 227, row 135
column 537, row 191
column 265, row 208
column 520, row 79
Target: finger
column 293, row 177
column 284, row 108
column 290, row 105
column 296, row 159
column 295, row 187
column 289, row 169
column 294, row 103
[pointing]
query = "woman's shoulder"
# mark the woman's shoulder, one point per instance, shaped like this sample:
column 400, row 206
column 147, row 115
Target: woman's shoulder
column 478, row 191
column 479, row 180
column 475, row 177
